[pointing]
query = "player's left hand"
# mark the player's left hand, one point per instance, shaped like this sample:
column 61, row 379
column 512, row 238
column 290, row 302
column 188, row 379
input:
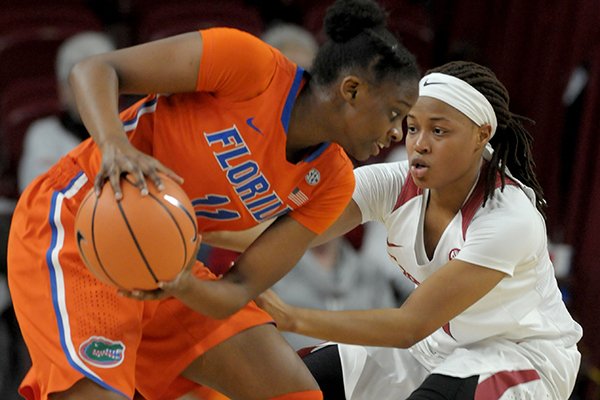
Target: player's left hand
column 143, row 295
column 177, row 287
column 281, row 312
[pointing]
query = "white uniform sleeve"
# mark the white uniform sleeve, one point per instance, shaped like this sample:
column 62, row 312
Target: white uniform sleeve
column 507, row 234
column 377, row 189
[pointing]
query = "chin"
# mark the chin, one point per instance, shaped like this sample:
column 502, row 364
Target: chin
column 361, row 154
column 362, row 157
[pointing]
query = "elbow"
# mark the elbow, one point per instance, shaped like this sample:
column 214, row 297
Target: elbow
column 405, row 341
column 412, row 335
column 78, row 70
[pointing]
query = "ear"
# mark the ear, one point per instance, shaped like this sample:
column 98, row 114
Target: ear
column 484, row 134
column 349, row 88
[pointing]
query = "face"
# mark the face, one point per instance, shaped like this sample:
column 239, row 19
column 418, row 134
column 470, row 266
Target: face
column 374, row 115
column 444, row 146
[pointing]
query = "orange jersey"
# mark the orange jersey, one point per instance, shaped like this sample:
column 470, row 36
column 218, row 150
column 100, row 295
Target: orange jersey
column 228, row 140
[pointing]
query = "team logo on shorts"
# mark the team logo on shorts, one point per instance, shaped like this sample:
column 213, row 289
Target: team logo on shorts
column 313, row 177
column 102, row 352
column 453, row 253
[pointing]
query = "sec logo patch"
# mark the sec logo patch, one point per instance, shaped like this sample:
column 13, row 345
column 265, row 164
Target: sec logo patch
column 313, row 177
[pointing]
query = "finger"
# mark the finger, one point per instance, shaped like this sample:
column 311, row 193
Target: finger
column 98, row 183
column 155, row 178
column 167, row 287
column 141, row 183
column 143, row 295
column 115, row 183
column 127, row 293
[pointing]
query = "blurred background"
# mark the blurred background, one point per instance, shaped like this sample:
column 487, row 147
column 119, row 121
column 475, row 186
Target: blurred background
column 546, row 52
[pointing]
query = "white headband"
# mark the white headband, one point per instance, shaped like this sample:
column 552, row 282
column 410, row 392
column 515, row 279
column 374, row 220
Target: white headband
column 465, row 98
column 460, row 95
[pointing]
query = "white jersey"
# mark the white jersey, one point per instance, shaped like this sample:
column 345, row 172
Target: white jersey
column 524, row 312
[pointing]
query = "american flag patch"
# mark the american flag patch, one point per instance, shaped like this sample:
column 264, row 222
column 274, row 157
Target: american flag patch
column 298, row 197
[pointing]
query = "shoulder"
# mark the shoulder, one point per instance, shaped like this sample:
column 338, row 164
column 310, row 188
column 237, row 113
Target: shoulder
column 239, row 65
column 512, row 214
column 393, row 173
column 512, row 199
column 396, row 169
column 378, row 187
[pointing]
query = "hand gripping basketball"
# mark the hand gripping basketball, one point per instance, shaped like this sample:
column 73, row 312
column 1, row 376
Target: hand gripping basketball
column 140, row 240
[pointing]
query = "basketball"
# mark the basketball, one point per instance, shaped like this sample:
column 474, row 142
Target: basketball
column 140, row 240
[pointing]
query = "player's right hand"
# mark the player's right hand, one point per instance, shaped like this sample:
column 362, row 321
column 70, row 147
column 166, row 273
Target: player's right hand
column 119, row 158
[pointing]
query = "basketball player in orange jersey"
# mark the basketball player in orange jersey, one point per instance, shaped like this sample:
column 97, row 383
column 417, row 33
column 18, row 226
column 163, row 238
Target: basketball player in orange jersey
column 253, row 137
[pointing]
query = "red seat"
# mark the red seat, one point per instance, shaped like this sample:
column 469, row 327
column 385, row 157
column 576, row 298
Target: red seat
column 160, row 20
column 24, row 18
column 30, row 54
column 21, row 102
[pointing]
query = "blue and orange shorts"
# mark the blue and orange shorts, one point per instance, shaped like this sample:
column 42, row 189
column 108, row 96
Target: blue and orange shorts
column 76, row 326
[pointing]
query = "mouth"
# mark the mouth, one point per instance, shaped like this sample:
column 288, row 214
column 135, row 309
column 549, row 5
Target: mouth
column 377, row 147
column 418, row 168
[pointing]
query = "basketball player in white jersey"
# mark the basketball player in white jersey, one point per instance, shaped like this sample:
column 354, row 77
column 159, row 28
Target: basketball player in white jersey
column 465, row 223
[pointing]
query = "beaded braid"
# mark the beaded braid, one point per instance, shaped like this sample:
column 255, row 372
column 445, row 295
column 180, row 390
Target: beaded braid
column 512, row 142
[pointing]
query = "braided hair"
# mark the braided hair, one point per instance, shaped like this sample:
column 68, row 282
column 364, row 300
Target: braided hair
column 512, row 142
column 359, row 40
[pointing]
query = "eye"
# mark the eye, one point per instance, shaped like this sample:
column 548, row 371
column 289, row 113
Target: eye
column 410, row 128
column 395, row 114
column 438, row 131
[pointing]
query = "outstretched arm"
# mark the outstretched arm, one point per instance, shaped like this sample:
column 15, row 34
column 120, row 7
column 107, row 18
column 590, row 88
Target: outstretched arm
column 268, row 259
column 435, row 302
column 241, row 240
column 97, row 82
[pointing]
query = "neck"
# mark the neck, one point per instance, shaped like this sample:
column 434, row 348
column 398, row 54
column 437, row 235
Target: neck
column 309, row 125
column 453, row 196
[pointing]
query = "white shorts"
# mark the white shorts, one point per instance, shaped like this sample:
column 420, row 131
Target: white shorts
column 506, row 371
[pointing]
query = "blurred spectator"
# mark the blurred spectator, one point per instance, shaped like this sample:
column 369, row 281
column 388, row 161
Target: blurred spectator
column 334, row 276
column 295, row 42
column 48, row 139
column 275, row 11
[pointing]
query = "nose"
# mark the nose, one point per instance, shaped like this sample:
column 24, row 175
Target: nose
column 420, row 143
column 395, row 135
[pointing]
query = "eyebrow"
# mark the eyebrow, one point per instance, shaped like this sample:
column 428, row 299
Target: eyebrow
column 405, row 103
column 431, row 119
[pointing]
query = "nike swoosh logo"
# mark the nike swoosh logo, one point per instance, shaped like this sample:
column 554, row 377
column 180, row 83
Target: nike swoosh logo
column 427, row 83
column 251, row 125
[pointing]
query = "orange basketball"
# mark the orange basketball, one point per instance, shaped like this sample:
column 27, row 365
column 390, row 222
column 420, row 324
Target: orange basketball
column 138, row 241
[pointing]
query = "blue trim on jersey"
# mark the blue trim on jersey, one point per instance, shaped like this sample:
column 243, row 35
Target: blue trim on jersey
column 53, row 285
column 313, row 156
column 289, row 102
column 146, row 104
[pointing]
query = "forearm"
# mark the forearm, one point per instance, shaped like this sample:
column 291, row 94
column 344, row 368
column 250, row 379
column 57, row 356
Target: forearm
column 383, row 327
column 436, row 301
column 217, row 299
column 96, row 88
